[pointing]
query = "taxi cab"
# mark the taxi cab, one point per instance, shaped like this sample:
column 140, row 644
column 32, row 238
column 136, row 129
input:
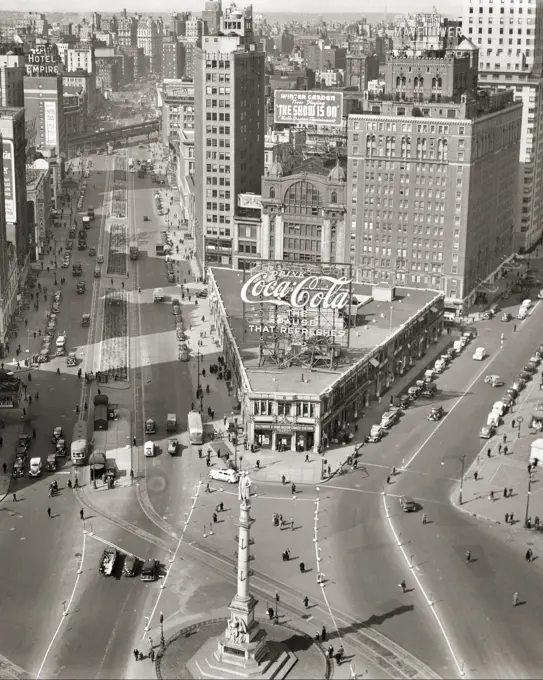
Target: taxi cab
column 436, row 413
column 149, row 449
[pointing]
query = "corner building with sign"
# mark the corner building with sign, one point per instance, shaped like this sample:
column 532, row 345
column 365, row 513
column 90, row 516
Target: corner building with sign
column 304, row 369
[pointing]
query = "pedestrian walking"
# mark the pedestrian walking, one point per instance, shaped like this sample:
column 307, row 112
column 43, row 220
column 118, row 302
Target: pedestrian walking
column 4, row 467
column 30, row 400
column 306, row 602
column 208, row 490
column 515, row 599
column 307, row 458
column 475, row 475
column 323, row 634
column 491, row 496
column 488, row 453
column 468, row 556
column 504, row 437
column 330, row 652
column 529, row 555
column 505, row 450
column 48, row 511
column 513, row 423
column 136, row 654
column 511, row 518
column 499, row 448
column 507, row 518
column 388, row 479
column 403, row 586
column 15, row 498
column 505, row 492
column 82, row 514
column 510, row 492
column 424, row 518
column 152, row 651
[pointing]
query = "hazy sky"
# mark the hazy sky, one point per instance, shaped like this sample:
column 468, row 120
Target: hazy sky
column 450, row 7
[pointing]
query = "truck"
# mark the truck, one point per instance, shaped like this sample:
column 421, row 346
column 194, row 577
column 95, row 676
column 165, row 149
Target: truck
column 133, row 250
column 171, row 422
column 90, row 212
column 79, row 447
column 61, row 345
column 86, row 221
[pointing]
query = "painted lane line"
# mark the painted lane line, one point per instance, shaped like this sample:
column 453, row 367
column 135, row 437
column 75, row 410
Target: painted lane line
column 432, row 605
column 63, row 617
column 449, row 412
column 172, row 560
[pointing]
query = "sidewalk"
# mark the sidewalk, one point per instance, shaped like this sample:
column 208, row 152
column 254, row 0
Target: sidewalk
column 32, row 320
column 501, row 472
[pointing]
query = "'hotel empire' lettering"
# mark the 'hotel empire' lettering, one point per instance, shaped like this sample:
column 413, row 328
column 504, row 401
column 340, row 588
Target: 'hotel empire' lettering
column 41, row 64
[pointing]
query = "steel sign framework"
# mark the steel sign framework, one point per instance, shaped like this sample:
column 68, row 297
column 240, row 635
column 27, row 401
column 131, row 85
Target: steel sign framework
column 295, row 312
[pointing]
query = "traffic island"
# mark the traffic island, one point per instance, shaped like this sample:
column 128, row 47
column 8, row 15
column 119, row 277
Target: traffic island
column 114, row 351
column 118, row 250
column 185, row 654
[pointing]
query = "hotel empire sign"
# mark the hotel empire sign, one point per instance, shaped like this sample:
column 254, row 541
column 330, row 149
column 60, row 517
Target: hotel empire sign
column 42, row 63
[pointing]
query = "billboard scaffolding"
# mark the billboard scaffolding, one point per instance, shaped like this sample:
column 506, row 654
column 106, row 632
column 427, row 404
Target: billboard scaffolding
column 298, row 312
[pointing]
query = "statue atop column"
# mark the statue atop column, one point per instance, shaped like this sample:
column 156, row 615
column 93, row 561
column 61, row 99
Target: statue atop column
column 244, row 490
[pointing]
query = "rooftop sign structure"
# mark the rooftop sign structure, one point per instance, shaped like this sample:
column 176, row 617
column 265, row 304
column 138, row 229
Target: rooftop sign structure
column 308, row 107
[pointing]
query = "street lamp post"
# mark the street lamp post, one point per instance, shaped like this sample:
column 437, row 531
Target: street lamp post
column 462, row 459
column 520, row 420
column 199, row 386
column 528, row 493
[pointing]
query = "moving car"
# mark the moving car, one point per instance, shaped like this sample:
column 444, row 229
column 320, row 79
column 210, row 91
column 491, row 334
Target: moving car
column 202, row 293
column 130, row 565
column 100, row 258
column 494, row 380
column 479, row 354
column 487, row 431
column 150, row 426
column 172, row 446
column 506, row 316
column 149, row 449
column 224, row 475
column 407, row 504
column 436, row 413
column 19, row 468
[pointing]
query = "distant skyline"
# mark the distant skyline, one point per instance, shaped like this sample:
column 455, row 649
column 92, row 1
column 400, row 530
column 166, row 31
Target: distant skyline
column 451, row 7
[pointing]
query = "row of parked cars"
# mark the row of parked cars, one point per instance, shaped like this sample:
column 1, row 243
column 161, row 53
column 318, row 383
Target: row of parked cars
column 425, row 388
column 502, row 406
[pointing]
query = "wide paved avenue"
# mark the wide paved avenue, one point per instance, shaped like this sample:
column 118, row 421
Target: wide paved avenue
column 488, row 635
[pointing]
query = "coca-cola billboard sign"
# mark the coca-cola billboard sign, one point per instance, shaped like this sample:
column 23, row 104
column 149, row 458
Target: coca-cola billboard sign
column 297, row 290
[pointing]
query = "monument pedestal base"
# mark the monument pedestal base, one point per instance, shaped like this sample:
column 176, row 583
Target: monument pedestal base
column 275, row 660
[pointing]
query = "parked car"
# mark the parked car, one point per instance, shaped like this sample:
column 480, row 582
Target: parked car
column 519, row 384
column 429, row 390
column 130, row 565
column 149, row 570
column 172, row 446
column 487, row 431
column 375, row 435
column 389, row 419
column 149, row 449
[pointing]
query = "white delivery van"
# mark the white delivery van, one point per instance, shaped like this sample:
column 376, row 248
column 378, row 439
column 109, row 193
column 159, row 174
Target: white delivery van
column 158, row 295
column 526, row 303
column 499, row 407
column 536, row 451
column 479, row 354
column 493, row 419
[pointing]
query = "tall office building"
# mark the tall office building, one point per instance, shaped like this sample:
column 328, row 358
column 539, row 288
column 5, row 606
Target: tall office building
column 127, row 34
column 12, row 71
column 44, row 104
column 229, row 131
column 12, row 130
column 149, row 38
column 211, row 16
column 509, row 37
column 80, row 58
column 173, row 63
column 3, row 251
column 432, row 177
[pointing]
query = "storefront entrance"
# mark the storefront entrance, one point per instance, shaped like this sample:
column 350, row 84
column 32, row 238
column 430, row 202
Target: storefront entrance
column 263, row 439
column 305, row 441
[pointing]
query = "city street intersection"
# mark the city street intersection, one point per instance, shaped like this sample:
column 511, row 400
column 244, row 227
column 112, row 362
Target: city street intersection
column 455, row 618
